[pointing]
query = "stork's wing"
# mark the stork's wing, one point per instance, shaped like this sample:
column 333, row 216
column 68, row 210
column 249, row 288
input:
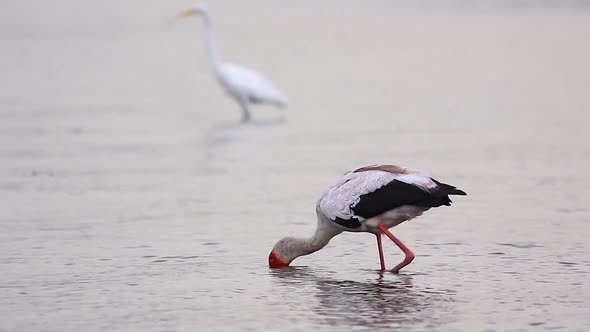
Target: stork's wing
column 386, row 168
column 373, row 190
column 337, row 201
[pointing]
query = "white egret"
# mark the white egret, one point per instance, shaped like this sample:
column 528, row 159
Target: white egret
column 244, row 85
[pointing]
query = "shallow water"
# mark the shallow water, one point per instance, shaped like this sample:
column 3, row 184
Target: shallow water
column 133, row 199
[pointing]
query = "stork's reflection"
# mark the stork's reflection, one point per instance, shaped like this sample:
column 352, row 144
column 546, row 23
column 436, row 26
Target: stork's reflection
column 387, row 300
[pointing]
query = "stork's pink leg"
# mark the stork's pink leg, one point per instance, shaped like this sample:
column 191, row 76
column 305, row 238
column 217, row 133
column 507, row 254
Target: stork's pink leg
column 409, row 254
column 380, row 245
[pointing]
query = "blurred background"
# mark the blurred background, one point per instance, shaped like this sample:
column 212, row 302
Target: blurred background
column 132, row 198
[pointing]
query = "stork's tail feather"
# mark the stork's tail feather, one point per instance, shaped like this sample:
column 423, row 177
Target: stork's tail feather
column 455, row 191
column 450, row 190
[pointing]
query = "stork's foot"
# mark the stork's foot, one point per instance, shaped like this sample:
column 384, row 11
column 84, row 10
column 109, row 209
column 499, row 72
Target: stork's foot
column 409, row 258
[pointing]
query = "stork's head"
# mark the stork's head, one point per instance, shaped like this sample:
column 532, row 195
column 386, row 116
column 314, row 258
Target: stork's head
column 284, row 252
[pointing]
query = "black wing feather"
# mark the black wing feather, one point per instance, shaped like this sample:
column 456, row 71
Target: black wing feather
column 397, row 193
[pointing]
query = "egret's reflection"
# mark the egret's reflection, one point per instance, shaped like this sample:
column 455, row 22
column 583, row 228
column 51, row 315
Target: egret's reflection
column 241, row 132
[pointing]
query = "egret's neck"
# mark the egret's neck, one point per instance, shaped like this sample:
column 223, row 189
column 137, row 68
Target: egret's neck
column 211, row 44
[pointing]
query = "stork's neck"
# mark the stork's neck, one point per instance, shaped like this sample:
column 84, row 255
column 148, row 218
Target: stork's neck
column 211, row 44
column 323, row 234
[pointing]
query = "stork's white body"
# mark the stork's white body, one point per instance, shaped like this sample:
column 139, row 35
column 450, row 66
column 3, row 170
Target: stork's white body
column 369, row 199
column 340, row 200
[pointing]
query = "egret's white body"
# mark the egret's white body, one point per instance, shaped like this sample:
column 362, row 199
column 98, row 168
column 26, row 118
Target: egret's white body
column 245, row 86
